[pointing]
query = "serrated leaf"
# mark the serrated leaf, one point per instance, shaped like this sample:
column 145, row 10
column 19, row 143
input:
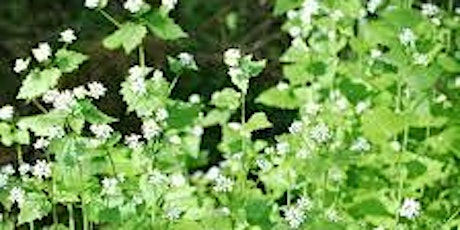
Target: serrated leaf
column 41, row 124
column 68, row 60
column 37, row 83
column 181, row 115
column 257, row 121
column 227, row 98
column 92, row 114
column 129, row 36
column 380, row 124
column 163, row 26
column 449, row 64
column 215, row 117
column 283, row 99
column 35, row 207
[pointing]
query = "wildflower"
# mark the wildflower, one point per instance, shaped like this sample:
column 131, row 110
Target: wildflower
column 161, row 114
column 295, row 31
column 373, row 5
column 187, row 60
column 175, row 140
column 17, row 195
column 50, row 96
column 234, row 126
column 157, row 75
column 263, row 164
column 376, row 53
column 407, row 37
column 309, row 8
column 410, row 208
column 429, row 9
column 150, row 129
column 235, row 72
column 21, row 65
column 312, row 108
column 336, row 15
column 109, row 186
column 8, row 169
column 133, row 6
column 360, row 145
column 282, row 148
column 197, row 131
column 194, row 99
column 294, row 216
column 292, row 14
column 41, row 169
column 3, row 180
column 320, row 133
column 80, row 92
column 223, row 184
column 157, row 178
column 42, row 52
column 6, row 112
column 64, row 101
column 225, row 211
column 342, row 103
column 420, row 59
column 212, row 173
column 232, row 57
column 169, row 4
column 305, row 203
column 282, row 86
column 332, row 215
column 68, row 36
column 102, row 131
column 362, row 106
column 138, row 85
column 55, row 132
column 91, row 4
column 96, row 90
column 41, row 143
column 173, row 213
column 177, row 180
column 296, row 127
column 24, row 168
column 133, row 141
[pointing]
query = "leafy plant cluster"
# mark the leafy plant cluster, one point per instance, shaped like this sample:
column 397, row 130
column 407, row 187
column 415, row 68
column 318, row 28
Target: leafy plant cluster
column 375, row 144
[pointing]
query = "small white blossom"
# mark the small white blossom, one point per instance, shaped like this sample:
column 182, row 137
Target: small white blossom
column 138, row 85
column 161, row 114
column 373, row 5
column 332, row 215
column 362, row 106
column 420, row 59
column 175, row 140
column 41, row 169
column 169, row 4
column 303, row 153
column 110, row 186
column 42, row 52
column 296, row 127
column 232, row 57
column 177, row 180
column 50, row 96
column 96, row 90
column 8, row 169
column 91, row 4
column 55, row 132
column 264, row 165
column 101, row 131
column 80, row 92
column 336, row 15
column 173, row 213
column 186, row 59
column 342, row 103
column 3, row 180
column 133, row 6
column 234, row 126
column 294, row 216
column 312, row 108
column 361, row 145
column 407, row 37
column 212, row 173
column 223, row 184
column 68, row 36
column 197, row 131
column 429, row 9
column 235, row 72
column 457, row 10
column 292, row 14
column 410, row 208
column 6, row 112
column 24, row 168
column 133, row 141
column 41, row 143
column 282, row 86
column 305, row 203
column 295, row 31
column 157, row 178
column 320, row 133
column 309, row 8
column 436, row 21
column 150, row 129
column 157, row 75
column 64, row 101
column 194, row 99
column 21, row 65
column 282, row 148
column 376, row 53
column 17, row 195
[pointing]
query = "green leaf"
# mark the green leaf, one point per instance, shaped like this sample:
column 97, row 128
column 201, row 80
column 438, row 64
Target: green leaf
column 68, row 60
column 283, row 99
column 22, row 137
column 216, row 117
column 283, row 6
column 227, row 98
column 163, row 26
column 92, row 114
column 449, row 64
column 257, row 121
column 380, row 124
column 368, row 207
column 35, row 207
column 181, row 115
column 129, row 36
column 37, row 83
column 40, row 125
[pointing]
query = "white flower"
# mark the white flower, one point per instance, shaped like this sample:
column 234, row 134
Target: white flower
column 133, row 6
column 303, row 153
column 232, row 57
column 295, row 31
column 3, row 180
column 173, row 213
column 336, row 15
column 50, row 96
column 41, row 143
column 110, row 186
column 263, row 164
column 309, row 8
column 212, row 173
column 332, row 215
column 294, row 216
column 8, row 169
column 376, row 53
column 65, row 101
column 150, row 129
column 194, row 99
column 17, row 195
column 223, row 184
column 96, row 90
column 91, row 4
column 21, row 65
column 235, row 72
column 175, row 140
column 410, row 208
column 6, row 112
column 161, row 114
column 138, row 85
column 436, row 21
column 133, row 141
column 372, row 5
column 282, row 86
column 41, row 169
column 186, row 59
column 177, row 180
column 43, row 52
column 341, row 103
column 312, row 108
column 407, row 37
column 157, row 178
column 429, row 9
column 234, row 126
column 420, row 59
column 305, row 203
column 362, row 106
column 68, row 36
column 360, row 145
column 169, row 4
column 80, row 92
column 282, row 148
column 320, row 133
column 56, row 132
column 296, row 127
column 102, row 131
column 157, row 75
column 292, row 14
column 197, row 131
column 24, row 168
column 457, row 10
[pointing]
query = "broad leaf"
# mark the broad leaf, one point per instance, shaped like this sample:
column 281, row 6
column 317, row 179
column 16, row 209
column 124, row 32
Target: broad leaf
column 37, row 83
column 129, row 36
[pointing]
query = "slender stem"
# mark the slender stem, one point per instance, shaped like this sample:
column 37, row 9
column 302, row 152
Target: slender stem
column 110, row 18
column 85, row 219
column 455, row 214
column 173, row 84
column 71, row 217
column 141, row 56
column 243, row 141
column 112, row 164
column 19, row 154
column 39, row 106
column 31, row 225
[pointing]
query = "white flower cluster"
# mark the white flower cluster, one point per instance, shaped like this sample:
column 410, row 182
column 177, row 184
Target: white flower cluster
column 110, row 186
column 133, row 141
column 187, row 60
column 173, row 213
column 92, row 4
column 68, row 36
column 133, row 6
column 320, row 133
column 169, row 5
column 429, row 9
column 136, row 78
column 66, row 99
column 41, row 143
column 295, row 215
column 410, row 208
column 101, row 131
column 21, row 65
column 373, row 5
column 421, row 59
column 232, row 57
column 42, row 169
column 157, row 178
column 407, row 37
column 332, row 215
column 223, row 184
column 150, row 129
column 42, row 52
column 17, row 195
column 6, row 112
column 361, row 144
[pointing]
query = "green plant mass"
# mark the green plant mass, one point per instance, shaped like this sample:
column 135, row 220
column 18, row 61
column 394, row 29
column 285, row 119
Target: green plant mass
column 360, row 130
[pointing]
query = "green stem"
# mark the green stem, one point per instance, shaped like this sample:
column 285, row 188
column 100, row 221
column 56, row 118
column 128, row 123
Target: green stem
column 71, row 217
column 243, row 141
column 19, row 153
column 39, row 106
column 173, row 84
column 112, row 164
column 141, row 56
column 455, row 214
column 110, row 18
column 31, row 225
column 85, row 220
